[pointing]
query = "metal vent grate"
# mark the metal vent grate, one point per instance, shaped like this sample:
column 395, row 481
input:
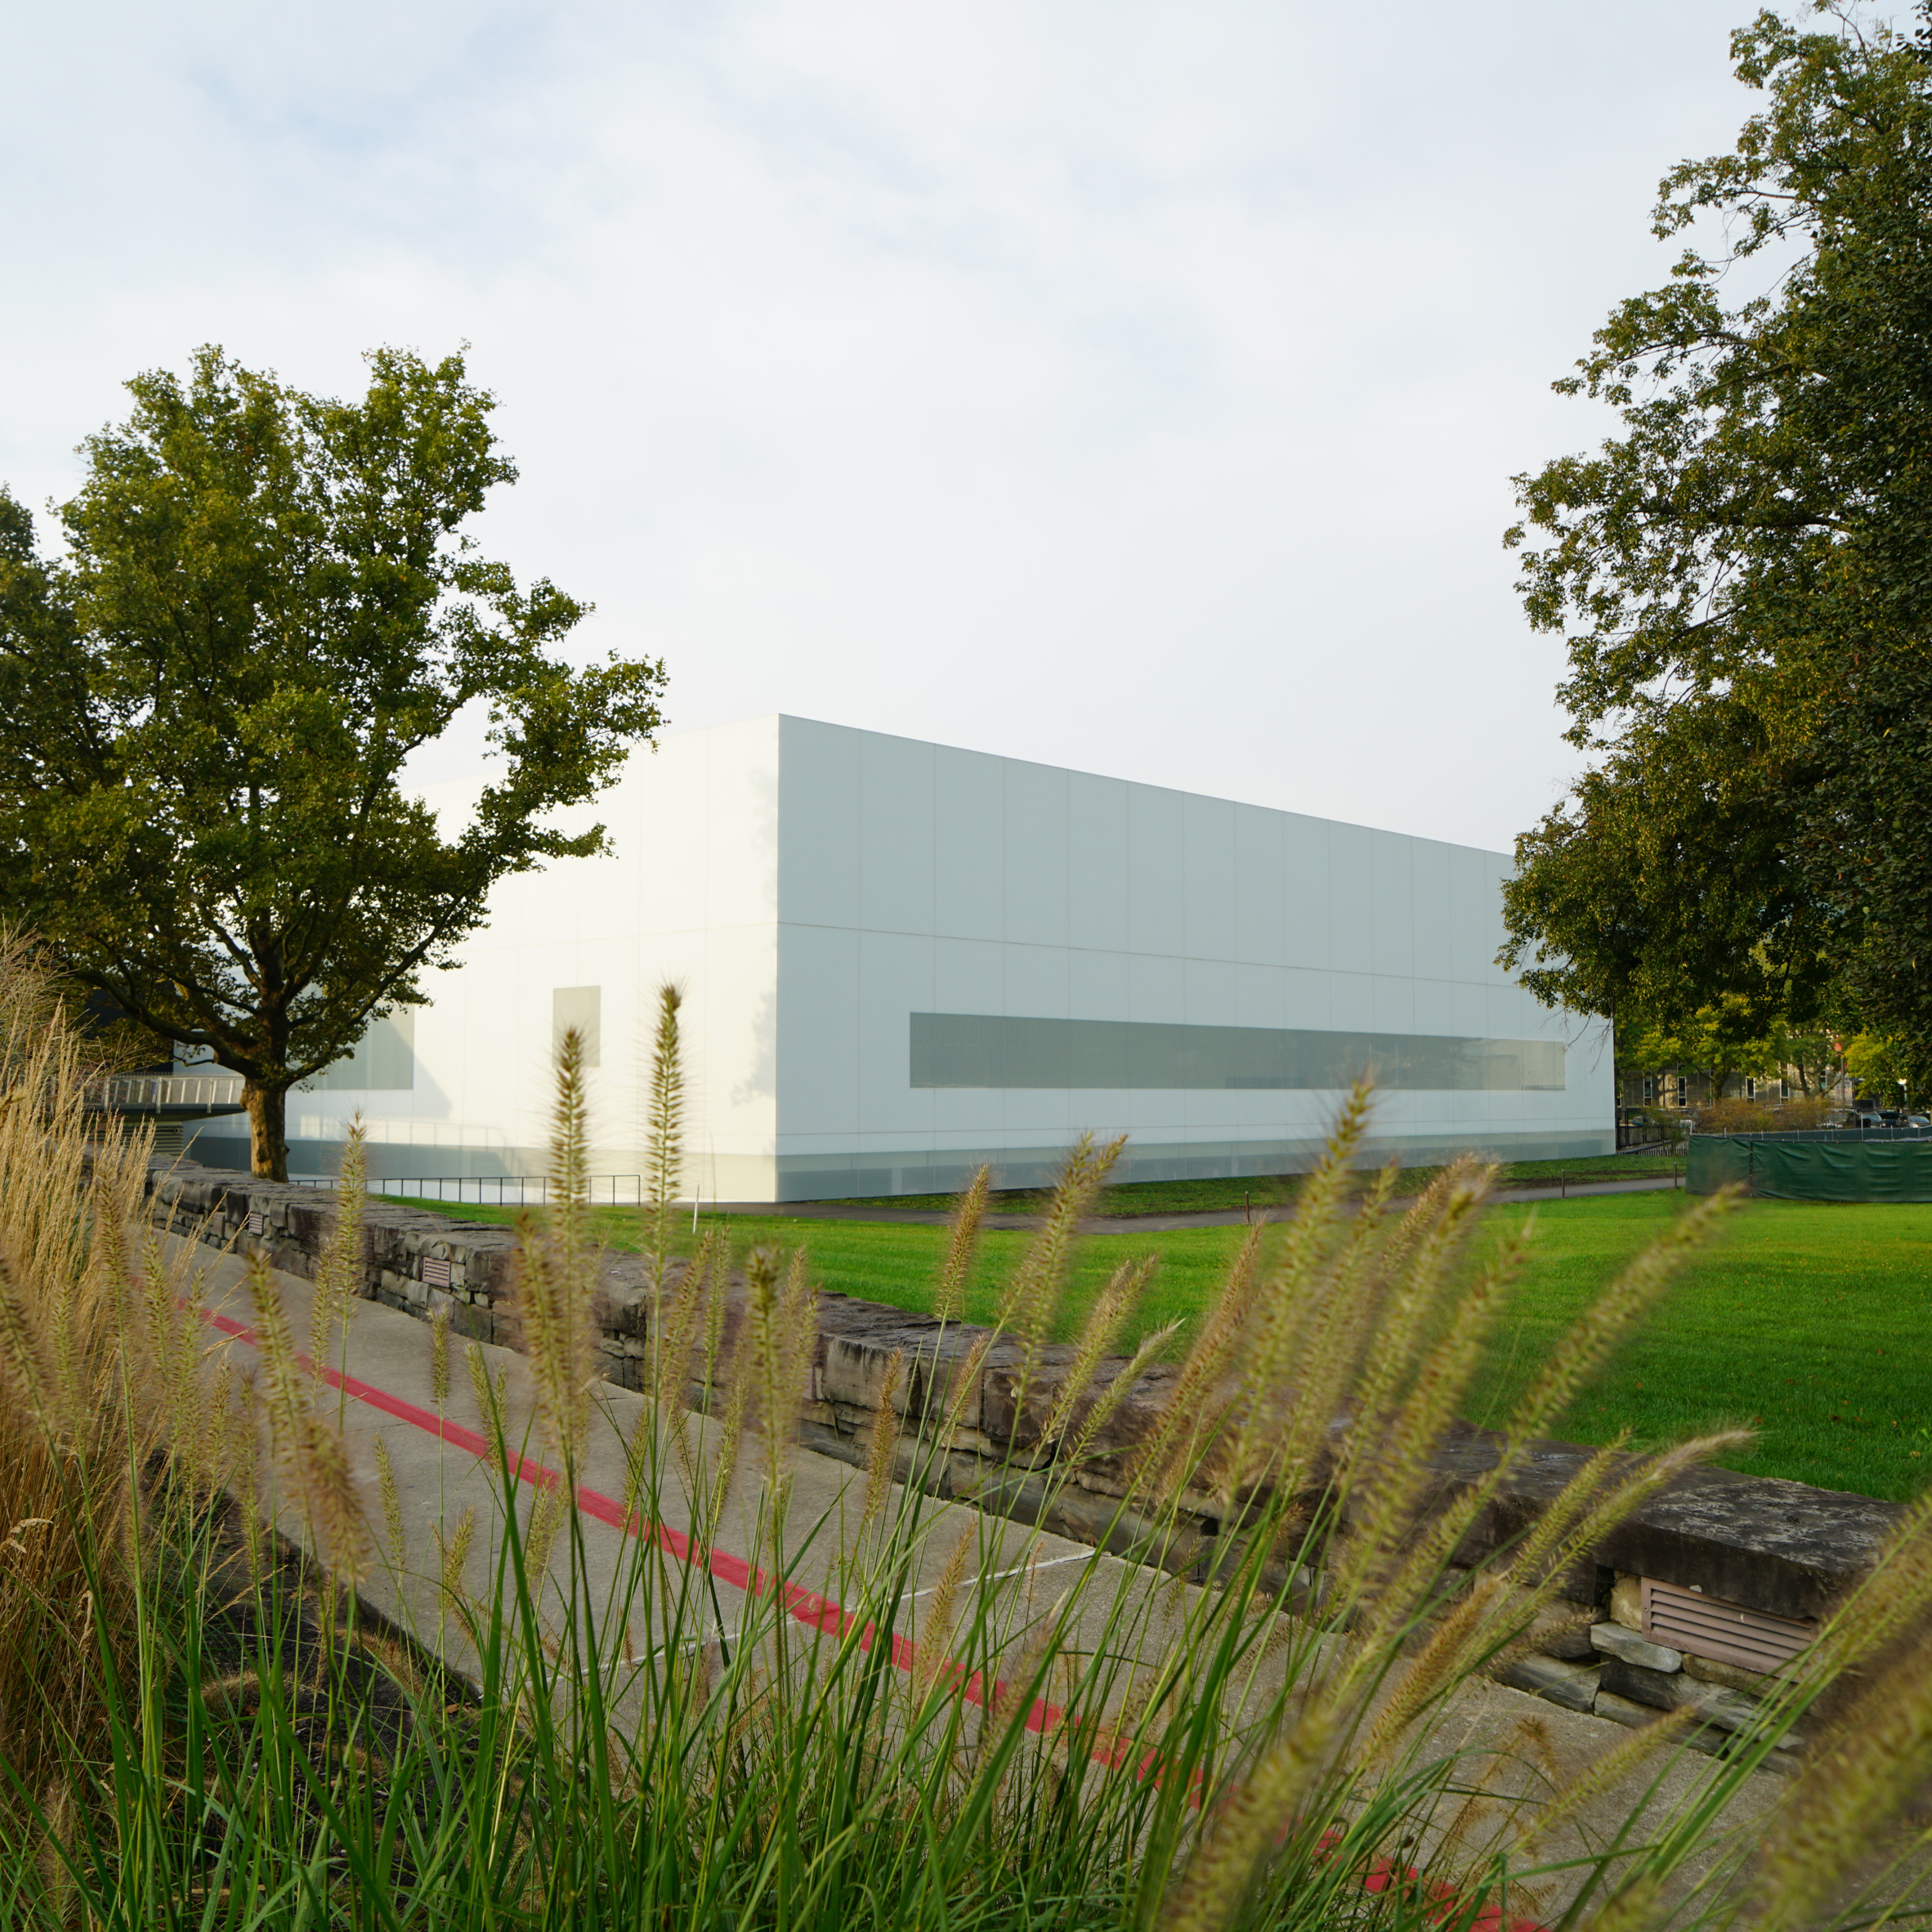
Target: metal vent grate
column 1689, row 1620
column 436, row 1274
column 256, row 1225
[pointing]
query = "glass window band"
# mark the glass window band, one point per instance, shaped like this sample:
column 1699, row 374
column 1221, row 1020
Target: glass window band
column 962, row 1049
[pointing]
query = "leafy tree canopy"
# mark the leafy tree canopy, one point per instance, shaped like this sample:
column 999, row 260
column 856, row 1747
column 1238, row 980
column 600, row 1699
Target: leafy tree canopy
column 1744, row 579
column 1722, row 1039
column 264, row 604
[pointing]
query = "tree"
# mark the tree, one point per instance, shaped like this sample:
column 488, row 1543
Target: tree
column 1744, row 577
column 266, row 603
column 1813, row 1054
column 1882, row 1074
column 1724, row 1040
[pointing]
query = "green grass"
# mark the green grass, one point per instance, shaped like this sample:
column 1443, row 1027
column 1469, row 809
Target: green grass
column 1225, row 1196
column 1812, row 1322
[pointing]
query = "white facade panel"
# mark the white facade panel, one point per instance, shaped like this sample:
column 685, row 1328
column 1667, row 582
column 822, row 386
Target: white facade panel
column 814, row 888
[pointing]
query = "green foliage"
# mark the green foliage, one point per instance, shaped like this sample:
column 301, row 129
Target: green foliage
column 1879, row 1064
column 1813, row 1317
column 1741, row 577
column 943, row 1737
column 265, row 604
column 1725, row 1038
column 907, row 1720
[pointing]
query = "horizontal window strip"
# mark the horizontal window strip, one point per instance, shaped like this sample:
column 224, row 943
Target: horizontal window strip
column 964, row 1049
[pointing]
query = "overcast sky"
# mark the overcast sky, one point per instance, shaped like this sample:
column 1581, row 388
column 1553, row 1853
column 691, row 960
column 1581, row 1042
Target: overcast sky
column 1129, row 387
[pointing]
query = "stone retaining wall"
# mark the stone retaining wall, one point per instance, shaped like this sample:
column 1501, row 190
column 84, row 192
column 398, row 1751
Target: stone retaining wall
column 1691, row 1599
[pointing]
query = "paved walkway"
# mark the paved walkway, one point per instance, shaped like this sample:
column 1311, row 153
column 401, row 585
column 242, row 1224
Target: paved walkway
column 839, row 1210
column 382, row 1389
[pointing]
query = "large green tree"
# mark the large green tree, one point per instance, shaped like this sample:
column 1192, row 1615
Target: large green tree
column 265, row 601
column 1744, row 578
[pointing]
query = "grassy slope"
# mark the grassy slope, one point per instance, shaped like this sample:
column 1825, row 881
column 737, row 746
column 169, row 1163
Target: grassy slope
column 1815, row 1318
column 1209, row 1196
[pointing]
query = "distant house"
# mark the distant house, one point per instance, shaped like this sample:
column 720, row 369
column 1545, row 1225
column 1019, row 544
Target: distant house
column 1689, row 1088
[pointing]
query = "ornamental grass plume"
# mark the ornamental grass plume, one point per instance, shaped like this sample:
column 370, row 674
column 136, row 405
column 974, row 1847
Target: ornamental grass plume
column 949, row 1297
column 664, row 1125
column 554, row 1275
column 1032, row 1298
column 881, row 1442
column 393, row 1515
column 96, row 1374
column 780, row 1335
column 1258, row 1700
column 339, row 1272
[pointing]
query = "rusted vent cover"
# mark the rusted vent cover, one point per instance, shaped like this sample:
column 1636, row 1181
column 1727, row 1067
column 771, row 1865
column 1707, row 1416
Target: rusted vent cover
column 436, row 1274
column 1727, row 1633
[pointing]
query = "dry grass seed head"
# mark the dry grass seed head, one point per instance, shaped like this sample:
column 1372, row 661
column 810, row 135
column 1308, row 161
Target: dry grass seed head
column 1307, row 1336
column 678, row 1318
column 740, row 1381
column 781, row 1332
column 936, row 1627
column 336, row 1509
column 338, row 1275
column 1444, row 1659
column 549, row 1508
column 884, row 1441
column 949, row 1300
column 1844, row 1800
column 280, row 1378
column 1895, row 1595
column 664, row 1125
column 1152, row 1346
column 392, row 1516
column 456, row 1556
column 1112, row 1309
column 488, row 1399
column 1216, row 1880
column 1612, row 1770
column 1032, row 1298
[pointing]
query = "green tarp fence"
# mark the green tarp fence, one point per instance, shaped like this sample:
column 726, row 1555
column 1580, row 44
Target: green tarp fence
column 1811, row 1169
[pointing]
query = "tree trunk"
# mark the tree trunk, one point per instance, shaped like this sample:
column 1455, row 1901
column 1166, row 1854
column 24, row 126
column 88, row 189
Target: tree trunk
column 268, row 1131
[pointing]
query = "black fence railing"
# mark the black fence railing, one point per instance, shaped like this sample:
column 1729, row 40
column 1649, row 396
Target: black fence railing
column 509, row 1189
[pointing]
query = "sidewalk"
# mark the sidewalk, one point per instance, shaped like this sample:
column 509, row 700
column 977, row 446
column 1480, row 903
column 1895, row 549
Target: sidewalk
column 836, row 1210
column 384, row 1390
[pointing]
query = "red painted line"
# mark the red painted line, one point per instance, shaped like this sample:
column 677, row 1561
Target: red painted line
column 817, row 1612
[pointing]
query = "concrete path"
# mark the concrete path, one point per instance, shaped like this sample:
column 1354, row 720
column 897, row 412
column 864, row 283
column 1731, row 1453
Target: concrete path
column 382, row 1389
column 837, row 1210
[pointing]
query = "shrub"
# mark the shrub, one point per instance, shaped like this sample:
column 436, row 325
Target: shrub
column 1737, row 1116
column 1248, row 1729
column 1805, row 1111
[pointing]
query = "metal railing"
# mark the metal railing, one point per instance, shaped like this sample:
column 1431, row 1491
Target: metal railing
column 511, row 1190
column 144, row 1093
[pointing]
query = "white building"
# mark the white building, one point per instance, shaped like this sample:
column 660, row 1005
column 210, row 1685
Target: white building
column 901, row 960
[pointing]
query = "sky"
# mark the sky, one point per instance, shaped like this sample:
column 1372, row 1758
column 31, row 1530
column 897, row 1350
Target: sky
column 1133, row 386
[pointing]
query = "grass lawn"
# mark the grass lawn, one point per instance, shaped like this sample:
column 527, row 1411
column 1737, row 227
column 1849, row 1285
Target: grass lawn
column 1811, row 1321
column 1209, row 1196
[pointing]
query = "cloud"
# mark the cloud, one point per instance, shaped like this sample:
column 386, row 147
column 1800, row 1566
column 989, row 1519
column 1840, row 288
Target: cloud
column 1132, row 387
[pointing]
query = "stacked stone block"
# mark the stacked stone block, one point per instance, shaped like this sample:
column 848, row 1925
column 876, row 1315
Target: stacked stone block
column 1782, row 1549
